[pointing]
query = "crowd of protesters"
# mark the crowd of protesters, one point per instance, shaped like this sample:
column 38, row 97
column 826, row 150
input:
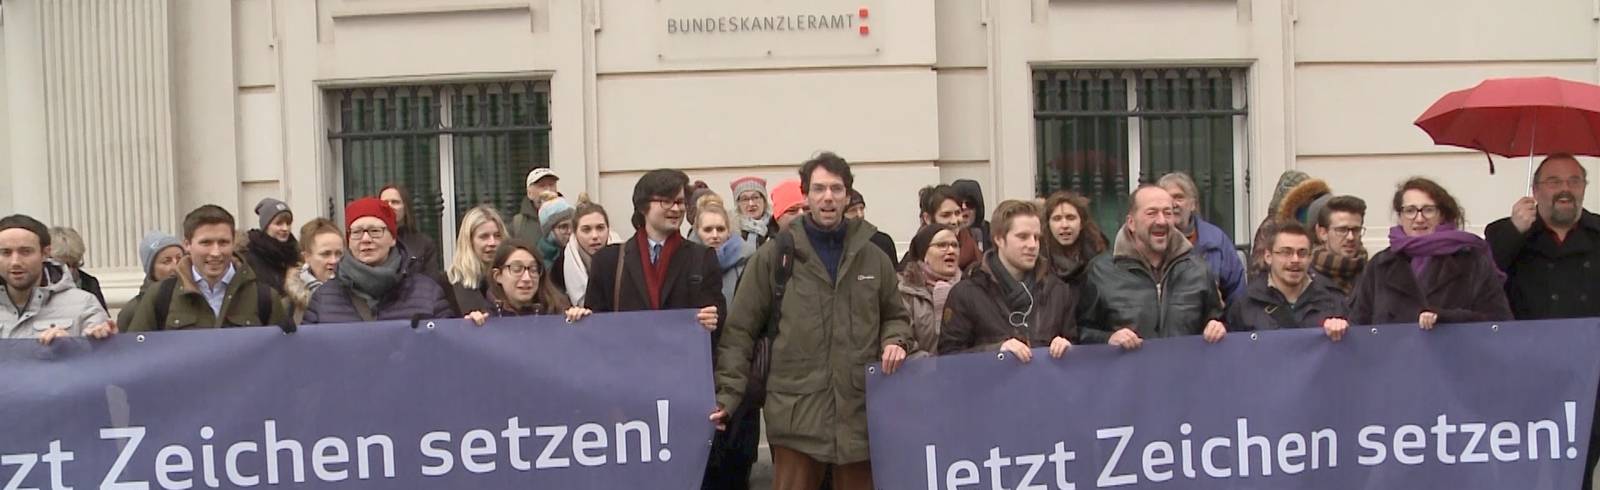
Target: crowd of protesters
column 800, row 261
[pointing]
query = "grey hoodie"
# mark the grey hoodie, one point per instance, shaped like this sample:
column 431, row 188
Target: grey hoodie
column 57, row 302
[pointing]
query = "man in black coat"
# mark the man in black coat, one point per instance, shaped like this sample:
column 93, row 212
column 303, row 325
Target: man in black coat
column 1289, row 297
column 659, row 270
column 1549, row 247
column 1010, row 302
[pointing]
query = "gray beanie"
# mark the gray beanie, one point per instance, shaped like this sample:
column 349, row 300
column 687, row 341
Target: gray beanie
column 270, row 208
column 151, row 245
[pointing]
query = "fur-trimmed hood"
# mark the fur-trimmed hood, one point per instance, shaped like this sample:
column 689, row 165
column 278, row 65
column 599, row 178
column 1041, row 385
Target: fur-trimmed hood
column 1300, row 197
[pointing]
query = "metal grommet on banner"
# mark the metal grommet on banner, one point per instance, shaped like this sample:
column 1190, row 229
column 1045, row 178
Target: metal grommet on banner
column 1374, row 330
column 872, row 369
column 1254, row 336
column 430, row 325
column 1494, row 328
column 1000, row 356
column 140, row 338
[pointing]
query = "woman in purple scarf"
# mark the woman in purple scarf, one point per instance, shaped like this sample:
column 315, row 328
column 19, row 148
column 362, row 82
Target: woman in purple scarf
column 1432, row 272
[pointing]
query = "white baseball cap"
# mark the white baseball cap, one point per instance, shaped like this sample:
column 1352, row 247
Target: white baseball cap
column 540, row 173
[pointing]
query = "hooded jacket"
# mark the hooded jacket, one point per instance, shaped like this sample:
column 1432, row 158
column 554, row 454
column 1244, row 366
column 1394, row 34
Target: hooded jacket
column 1123, row 290
column 1295, row 190
column 970, row 190
column 55, row 302
column 976, row 318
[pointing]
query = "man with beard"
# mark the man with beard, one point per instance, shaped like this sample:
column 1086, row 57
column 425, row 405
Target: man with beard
column 1210, row 242
column 1338, row 254
column 841, row 310
column 1549, row 247
column 1289, row 297
column 1151, row 285
column 42, row 301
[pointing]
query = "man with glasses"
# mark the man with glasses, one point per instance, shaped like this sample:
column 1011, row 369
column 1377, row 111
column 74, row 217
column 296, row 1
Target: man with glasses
column 1339, row 255
column 657, row 269
column 841, row 311
column 1291, row 297
column 1549, row 247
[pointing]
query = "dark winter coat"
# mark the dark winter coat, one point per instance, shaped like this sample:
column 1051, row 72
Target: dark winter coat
column 976, row 318
column 424, row 252
column 693, row 280
column 1463, row 288
column 270, row 259
column 1546, row 279
column 1262, row 307
column 416, row 294
column 1122, row 290
column 467, row 300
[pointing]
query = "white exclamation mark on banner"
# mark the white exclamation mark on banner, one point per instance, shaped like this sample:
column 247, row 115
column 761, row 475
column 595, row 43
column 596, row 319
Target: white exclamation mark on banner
column 1572, row 429
column 662, row 420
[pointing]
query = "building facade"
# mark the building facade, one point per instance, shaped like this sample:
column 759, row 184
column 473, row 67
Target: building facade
column 116, row 116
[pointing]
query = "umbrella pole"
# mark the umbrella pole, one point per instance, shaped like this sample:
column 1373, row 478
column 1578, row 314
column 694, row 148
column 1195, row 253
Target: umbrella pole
column 1533, row 136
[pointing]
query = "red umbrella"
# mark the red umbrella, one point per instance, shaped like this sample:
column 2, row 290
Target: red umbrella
column 1513, row 117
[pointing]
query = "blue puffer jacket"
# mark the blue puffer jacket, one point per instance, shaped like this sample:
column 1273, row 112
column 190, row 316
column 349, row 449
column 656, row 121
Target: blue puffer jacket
column 1221, row 254
column 417, row 294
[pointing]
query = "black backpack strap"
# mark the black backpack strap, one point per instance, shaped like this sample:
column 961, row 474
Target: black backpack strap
column 263, row 303
column 780, row 281
column 164, row 301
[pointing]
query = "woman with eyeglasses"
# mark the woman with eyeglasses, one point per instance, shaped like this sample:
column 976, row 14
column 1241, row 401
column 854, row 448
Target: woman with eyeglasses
column 375, row 279
column 520, row 286
column 1432, row 272
column 928, row 272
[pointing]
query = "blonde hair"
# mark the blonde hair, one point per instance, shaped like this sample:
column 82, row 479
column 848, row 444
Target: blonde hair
column 465, row 268
column 710, row 203
column 66, row 245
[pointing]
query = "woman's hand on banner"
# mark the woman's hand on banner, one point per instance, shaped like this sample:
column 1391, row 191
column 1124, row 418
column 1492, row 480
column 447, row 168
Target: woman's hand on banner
column 577, row 313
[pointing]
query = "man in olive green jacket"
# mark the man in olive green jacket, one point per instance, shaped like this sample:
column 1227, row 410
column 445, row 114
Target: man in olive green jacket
column 214, row 286
column 841, row 311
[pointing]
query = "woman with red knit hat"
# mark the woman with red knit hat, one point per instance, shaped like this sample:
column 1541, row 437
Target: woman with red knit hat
column 374, row 279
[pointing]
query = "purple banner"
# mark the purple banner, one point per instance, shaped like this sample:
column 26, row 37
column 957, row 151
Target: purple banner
column 616, row 401
column 1462, row 406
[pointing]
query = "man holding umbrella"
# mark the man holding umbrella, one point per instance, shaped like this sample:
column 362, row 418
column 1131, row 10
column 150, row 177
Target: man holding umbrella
column 1550, row 246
